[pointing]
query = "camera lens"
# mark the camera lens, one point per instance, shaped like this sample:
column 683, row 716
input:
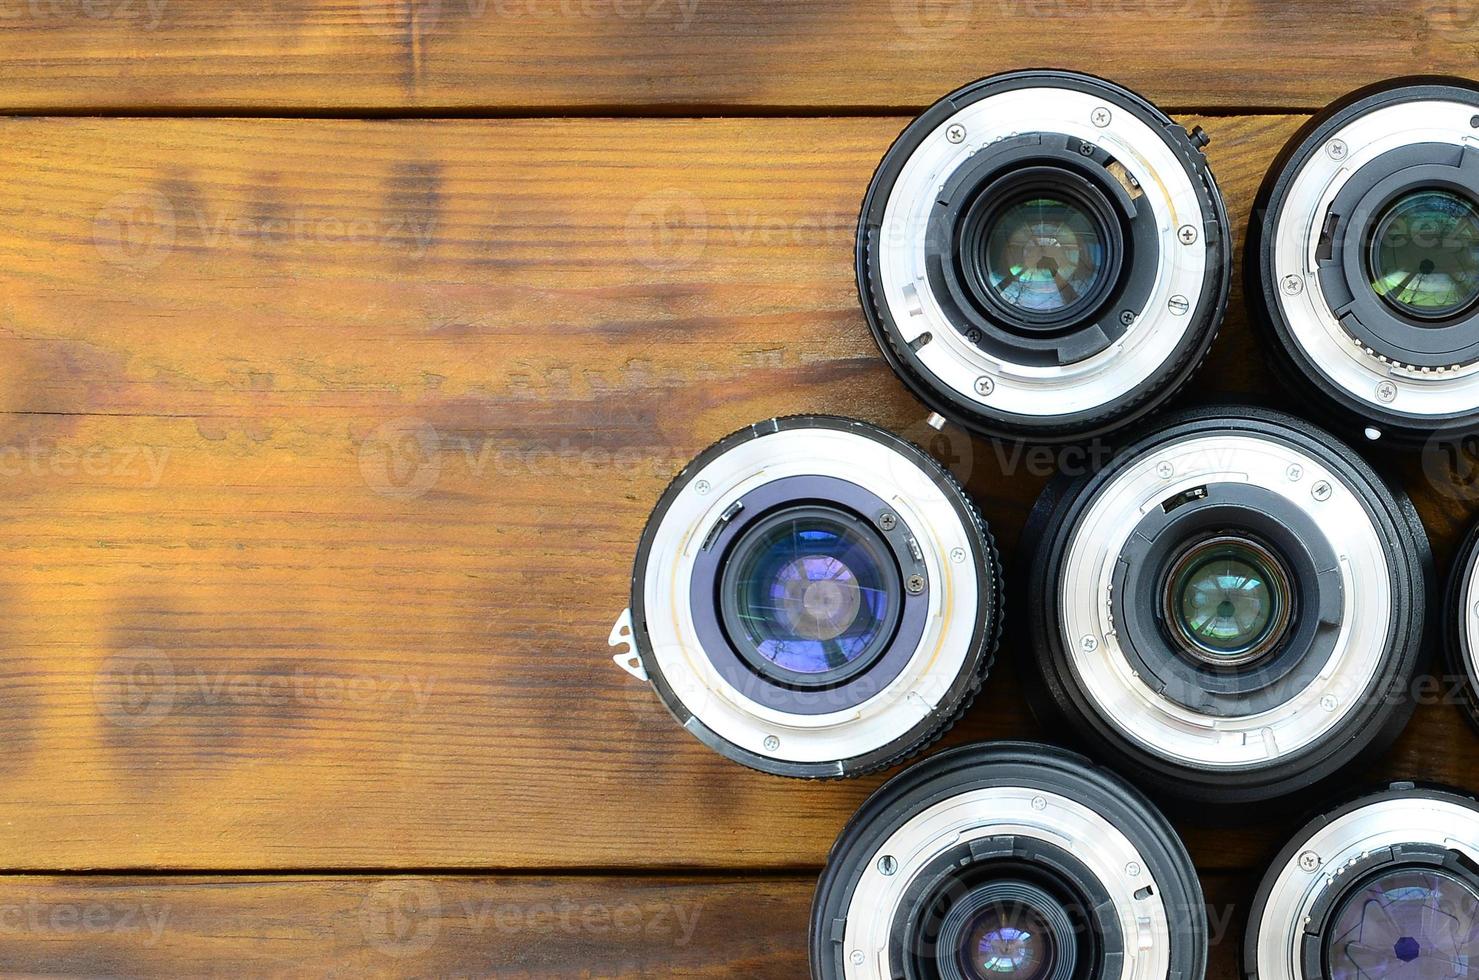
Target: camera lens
column 1461, row 623
column 1401, row 917
column 1363, row 259
column 1385, row 886
column 811, row 592
column 813, row 597
column 1227, row 598
column 1230, row 609
column 1043, row 255
column 1040, row 258
column 1007, row 860
column 1425, row 255
column 1015, row 932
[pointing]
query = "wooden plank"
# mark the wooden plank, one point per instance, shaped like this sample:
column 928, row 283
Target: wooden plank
column 419, row 926
column 326, row 446
column 548, row 55
column 404, row 926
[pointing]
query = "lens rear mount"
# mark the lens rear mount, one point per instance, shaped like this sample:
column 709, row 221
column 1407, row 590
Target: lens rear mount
column 1008, row 905
column 1043, row 256
column 1030, row 251
column 1385, row 885
column 1375, row 253
column 1363, row 260
column 1008, row 859
column 1321, row 608
column 815, row 597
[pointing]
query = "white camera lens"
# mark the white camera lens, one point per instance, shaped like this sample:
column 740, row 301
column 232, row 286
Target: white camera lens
column 814, row 597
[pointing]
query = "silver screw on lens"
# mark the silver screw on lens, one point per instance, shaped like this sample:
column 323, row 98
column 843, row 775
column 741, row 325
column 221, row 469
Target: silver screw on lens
column 955, row 134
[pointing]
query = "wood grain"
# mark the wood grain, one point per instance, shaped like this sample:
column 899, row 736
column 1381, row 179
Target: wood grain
column 568, row 927
column 326, row 446
column 549, row 56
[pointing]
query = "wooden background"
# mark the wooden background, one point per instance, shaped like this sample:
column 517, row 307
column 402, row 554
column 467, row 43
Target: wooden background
column 346, row 346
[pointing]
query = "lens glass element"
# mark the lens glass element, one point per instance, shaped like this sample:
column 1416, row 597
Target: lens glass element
column 1406, row 923
column 1008, row 940
column 1044, row 254
column 1425, row 254
column 814, row 593
column 1227, row 601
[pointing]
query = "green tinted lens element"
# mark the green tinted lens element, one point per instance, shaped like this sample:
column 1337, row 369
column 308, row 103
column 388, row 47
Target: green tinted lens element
column 1227, row 601
column 1425, row 254
column 1043, row 255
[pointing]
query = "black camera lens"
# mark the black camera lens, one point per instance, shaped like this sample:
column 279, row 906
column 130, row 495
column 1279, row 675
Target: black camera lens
column 1461, row 623
column 1043, row 255
column 1231, row 609
column 1008, row 860
column 1363, row 259
column 1385, row 886
column 813, row 597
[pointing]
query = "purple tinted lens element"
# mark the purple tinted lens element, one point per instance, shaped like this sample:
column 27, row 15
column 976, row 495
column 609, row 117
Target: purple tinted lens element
column 814, row 595
column 1406, row 924
column 1009, row 942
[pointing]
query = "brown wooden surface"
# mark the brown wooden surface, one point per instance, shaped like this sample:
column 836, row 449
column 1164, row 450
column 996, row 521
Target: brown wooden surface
column 636, row 55
column 435, row 926
column 325, row 445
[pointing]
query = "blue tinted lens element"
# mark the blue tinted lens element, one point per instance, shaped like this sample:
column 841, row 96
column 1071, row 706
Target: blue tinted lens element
column 1013, row 944
column 815, row 593
column 1407, row 924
